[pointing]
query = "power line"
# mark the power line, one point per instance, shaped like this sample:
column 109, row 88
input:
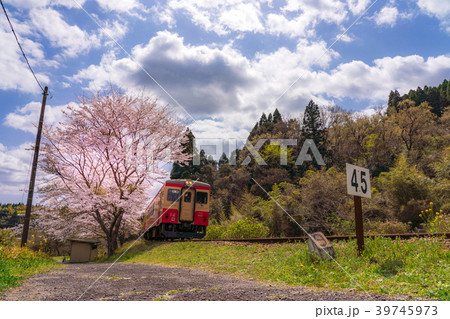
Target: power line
column 17, row 40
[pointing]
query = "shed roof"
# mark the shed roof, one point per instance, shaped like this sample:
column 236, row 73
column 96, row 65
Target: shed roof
column 87, row 241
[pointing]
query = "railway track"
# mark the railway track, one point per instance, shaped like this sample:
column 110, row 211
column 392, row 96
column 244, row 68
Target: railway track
column 331, row 238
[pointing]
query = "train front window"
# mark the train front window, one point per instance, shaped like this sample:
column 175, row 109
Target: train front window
column 202, row 197
column 173, row 195
column 187, row 197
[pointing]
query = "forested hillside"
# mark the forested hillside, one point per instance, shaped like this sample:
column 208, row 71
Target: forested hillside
column 438, row 97
column 406, row 148
column 10, row 214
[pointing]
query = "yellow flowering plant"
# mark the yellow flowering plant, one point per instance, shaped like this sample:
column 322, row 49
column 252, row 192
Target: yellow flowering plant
column 435, row 221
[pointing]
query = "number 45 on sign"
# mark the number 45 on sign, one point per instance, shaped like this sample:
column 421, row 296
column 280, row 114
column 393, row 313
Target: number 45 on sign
column 358, row 181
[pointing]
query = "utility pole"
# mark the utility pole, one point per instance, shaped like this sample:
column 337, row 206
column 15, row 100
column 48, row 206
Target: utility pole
column 26, row 222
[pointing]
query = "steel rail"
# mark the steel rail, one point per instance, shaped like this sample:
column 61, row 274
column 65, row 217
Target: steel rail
column 331, row 238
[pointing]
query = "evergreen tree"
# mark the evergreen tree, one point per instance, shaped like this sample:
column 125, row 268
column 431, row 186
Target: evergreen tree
column 203, row 158
column 432, row 97
column 443, row 89
column 313, row 128
column 269, row 118
column 234, row 157
column 412, row 95
column 394, row 99
column 263, row 120
column 180, row 171
column 276, row 116
column 420, row 96
column 223, row 159
column 437, row 97
column 448, row 93
column 312, row 122
column 254, row 130
column 211, row 161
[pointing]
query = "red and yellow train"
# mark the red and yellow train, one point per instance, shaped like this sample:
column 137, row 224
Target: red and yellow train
column 179, row 210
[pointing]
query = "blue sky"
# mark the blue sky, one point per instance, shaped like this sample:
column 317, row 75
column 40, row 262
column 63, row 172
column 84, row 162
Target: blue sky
column 222, row 63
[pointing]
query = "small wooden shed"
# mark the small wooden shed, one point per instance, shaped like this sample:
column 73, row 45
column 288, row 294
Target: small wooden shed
column 83, row 250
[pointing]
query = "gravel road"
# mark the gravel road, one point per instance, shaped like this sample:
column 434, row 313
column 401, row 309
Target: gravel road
column 149, row 282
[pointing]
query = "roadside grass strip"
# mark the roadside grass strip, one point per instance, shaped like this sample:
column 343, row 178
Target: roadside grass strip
column 16, row 264
column 407, row 268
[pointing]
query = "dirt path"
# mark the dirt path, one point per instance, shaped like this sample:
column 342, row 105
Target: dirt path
column 149, row 282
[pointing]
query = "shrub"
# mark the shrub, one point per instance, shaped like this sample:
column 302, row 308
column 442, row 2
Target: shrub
column 347, row 227
column 323, row 193
column 215, row 232
column 246, row 228
column 435, row 221
column 7, row 237
column 386, row 227
column 405, row 188
column 341, row 226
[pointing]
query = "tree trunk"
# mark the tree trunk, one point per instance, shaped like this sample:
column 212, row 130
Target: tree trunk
column 110, row 246
column 113, row 233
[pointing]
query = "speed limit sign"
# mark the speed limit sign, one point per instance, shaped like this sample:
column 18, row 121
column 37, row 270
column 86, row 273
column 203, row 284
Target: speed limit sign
column 358, row 185
column 358, row 181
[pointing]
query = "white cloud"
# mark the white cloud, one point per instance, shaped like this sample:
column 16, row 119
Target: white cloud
column 219, row 17
column 437, row 8
column 46, row 21
column 71, row 38
column 15, row 161
column 297, row 27
column 26, row 117
column 243, row 17
column 220, row 85
column 29, row 4
column 297, row 18
column 132, row 7
column 361, row 81
column 358, row 6
column 307, row 15
column 230, row 127
column 113, row 29
column 371, row 110
column 345, row 37
column 203, row 76
column 208, row 81
column 387, row 15
column 14, row 73
column 124, row 6
column 163, row 15
column 14, row 167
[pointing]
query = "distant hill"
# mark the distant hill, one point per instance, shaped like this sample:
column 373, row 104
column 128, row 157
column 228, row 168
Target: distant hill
column 11, row 214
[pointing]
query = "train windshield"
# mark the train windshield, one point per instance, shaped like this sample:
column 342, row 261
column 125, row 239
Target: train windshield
column 202, row 197
column 173, row 195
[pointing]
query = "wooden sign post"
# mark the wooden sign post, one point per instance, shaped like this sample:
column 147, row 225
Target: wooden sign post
column 358, row 185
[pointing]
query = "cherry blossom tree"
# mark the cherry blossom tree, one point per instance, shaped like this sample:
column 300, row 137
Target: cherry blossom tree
column 102, row 163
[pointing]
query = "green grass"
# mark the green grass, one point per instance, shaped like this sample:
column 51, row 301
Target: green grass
column 415, row 268
column 18, row 263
